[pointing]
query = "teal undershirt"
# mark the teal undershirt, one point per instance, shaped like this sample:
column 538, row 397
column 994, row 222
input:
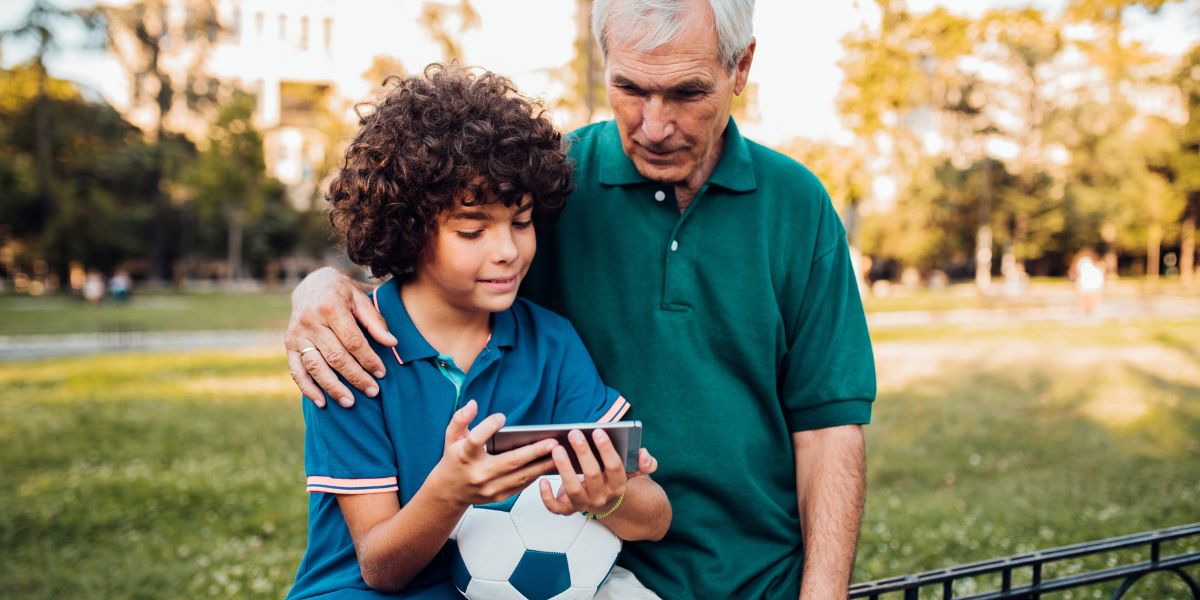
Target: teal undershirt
column 445, row 364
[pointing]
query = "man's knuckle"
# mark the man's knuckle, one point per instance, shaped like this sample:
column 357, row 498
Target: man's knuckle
column 355, row 343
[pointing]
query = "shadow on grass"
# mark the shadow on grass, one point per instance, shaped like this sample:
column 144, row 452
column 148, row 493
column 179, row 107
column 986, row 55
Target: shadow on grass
column 983, row 462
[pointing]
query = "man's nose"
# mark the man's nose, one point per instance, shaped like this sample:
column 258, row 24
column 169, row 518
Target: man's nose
column 656, row 121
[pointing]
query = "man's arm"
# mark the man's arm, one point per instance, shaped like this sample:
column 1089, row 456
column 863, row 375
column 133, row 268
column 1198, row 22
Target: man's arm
column 830, row 484
column 329, row 312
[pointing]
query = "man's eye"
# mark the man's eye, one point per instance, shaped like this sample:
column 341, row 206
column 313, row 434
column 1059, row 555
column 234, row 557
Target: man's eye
column 469, row 235
column 631, row 90
column 522, row 224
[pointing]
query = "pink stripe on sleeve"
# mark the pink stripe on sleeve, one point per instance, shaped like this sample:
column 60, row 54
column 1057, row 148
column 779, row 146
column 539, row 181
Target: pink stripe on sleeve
column 619, row 407
column 322, row 480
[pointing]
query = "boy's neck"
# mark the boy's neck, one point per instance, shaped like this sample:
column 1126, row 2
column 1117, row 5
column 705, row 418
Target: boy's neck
column 452, row 331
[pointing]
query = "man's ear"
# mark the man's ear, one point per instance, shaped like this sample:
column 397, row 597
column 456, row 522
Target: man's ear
column 743, row 68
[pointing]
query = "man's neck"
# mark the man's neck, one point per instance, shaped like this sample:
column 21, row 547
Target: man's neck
column 686, row 190
column 449, row 329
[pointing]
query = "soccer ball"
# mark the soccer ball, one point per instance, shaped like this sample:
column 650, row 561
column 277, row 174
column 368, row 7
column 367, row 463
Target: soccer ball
column 519, row 550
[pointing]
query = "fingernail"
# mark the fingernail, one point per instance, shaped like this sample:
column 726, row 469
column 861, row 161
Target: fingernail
column 576, row 436
column 551, row 445
column 346, row 401
column 379, row 374
column 371, row 391
column 600, row 435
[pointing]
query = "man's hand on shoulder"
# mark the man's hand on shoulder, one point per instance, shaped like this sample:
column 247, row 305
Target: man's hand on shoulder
column 329, row 312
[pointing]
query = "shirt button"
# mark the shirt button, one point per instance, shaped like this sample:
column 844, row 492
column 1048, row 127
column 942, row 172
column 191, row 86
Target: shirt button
column 660, row 195
column 443, row 363
column 674, row 245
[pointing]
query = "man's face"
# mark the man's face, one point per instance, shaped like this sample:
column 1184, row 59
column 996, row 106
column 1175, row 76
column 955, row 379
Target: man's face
column 672, row 103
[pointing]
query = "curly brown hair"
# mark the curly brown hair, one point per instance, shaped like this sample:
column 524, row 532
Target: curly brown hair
column 433, row 142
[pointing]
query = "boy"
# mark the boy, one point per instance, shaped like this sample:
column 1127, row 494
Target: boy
column 440, row 191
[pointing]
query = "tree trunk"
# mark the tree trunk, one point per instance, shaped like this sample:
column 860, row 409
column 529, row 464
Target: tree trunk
column 1153, row 249
column 1187, row 251
column 233, row 253
column 983, row 258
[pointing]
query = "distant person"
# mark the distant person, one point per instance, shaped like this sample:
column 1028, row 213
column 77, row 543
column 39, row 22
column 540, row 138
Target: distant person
column 1088, row 272
column 120, row 285
column 440, row 192
column 93, row 287
column 710, row 276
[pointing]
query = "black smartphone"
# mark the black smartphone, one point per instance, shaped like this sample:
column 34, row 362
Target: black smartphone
column 626, row 437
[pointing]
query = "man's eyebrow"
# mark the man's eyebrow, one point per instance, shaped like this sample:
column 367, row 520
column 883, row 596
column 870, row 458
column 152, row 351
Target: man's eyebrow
column 622, row 81
column 691, row 86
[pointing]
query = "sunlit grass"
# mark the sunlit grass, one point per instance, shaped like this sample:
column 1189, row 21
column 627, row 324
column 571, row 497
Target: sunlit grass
column 181, row 475
column 24, row 315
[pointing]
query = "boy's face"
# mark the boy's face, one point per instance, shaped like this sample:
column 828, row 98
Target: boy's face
column 480, row 254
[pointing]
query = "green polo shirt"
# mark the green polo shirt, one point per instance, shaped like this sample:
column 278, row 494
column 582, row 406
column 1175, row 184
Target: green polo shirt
column 728, row 327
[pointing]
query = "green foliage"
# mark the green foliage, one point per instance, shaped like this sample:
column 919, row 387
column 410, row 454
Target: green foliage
column 1083, row 167
column 93, row 209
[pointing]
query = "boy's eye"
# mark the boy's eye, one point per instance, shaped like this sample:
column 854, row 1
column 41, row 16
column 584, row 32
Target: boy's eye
column 469, row 235
column 522, row 224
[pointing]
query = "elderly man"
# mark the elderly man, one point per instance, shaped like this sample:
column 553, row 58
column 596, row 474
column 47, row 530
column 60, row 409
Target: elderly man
column 710, row 279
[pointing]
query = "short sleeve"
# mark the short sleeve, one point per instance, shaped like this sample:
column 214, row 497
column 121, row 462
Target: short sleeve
column 348, row 450
column 828, row 374
column 580, row 395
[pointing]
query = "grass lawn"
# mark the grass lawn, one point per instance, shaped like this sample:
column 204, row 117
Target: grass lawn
column 21, row 315
column 139, row 476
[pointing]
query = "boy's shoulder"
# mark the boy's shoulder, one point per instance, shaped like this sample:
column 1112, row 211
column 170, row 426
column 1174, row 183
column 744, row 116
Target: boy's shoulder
column 531, row 313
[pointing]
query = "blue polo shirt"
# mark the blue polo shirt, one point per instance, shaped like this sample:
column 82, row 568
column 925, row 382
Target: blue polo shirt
column 534, row 369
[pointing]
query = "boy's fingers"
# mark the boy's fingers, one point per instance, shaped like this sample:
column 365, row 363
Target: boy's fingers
column 518, row 457
column 306, row 384
column 519, row 479
column 554, row 504
column 647, row 464
column 593, row 478
column 571, row 485
column 457, row 428
column 483, row 432
column 614, row 465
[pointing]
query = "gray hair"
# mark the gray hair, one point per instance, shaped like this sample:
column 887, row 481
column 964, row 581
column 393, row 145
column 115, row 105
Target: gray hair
column 660, row 21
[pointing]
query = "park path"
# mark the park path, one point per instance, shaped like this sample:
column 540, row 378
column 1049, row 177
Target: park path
column 28, row 347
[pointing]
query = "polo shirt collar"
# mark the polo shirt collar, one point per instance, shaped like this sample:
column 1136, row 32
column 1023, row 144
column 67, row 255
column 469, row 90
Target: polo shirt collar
column 734, row 170
column 410, row 344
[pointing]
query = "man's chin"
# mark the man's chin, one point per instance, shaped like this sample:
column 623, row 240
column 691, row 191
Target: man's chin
column 666, row 172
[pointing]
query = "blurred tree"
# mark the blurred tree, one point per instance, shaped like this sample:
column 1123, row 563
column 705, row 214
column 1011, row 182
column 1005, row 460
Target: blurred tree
column 1187, row 161
column 163, row 52
column 436, row 18
column 1025, row 46
column 586, row 93
column 382, row 67
column 843, row 171
column 40, row 24
column 230, row 188
column 98, row 207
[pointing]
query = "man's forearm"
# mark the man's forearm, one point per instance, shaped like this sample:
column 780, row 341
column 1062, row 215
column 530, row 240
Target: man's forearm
column 830, row 483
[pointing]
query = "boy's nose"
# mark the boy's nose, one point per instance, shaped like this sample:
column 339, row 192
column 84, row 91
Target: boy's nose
column 505, row 250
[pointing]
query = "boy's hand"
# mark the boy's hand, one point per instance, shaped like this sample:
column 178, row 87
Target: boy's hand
column 468, row 475
column 600, row 485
